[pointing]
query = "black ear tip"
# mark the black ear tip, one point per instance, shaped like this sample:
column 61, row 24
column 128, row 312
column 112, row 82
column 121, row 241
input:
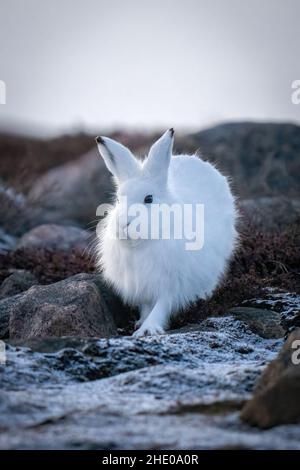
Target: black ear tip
column 171, row 131
column 99, row 140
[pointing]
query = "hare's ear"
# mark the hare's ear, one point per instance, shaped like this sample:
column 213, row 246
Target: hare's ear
column 158, row 161
column 118, row 159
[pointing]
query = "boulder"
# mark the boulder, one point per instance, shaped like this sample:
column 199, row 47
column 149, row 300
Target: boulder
column 263, row 322
column 4, row 323
column 271, row 212
column 19, row 281
column 55, row 237
column 70, row 193
column 261, row 158
column 18, row 214
column 287, row 304
column 276, row 400
column 75, row 306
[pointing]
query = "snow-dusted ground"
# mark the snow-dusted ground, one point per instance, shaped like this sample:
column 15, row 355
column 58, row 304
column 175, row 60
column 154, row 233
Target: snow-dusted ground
column 180, row 390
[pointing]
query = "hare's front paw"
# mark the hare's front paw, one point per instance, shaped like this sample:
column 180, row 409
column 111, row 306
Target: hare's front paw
column 148, row 329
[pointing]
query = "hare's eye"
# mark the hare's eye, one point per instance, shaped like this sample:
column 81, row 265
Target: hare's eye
column 148, row 199
column 117, row 200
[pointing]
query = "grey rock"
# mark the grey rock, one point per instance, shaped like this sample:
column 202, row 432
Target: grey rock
column 19, row 281
column 261, row 158
column 178, row 390
column 265, row 323
column 73, row 306
column 55, row 237
column 285, row 303
column 103, row 428
column 13, row 213
column 4, row 323
column 276, row 400
column 271, row 212
column 119, row 355
column 18, row 214
column 72, row 192
column 171, row 392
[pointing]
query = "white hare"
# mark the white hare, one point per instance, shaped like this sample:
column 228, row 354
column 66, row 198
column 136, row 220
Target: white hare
column 161, row 276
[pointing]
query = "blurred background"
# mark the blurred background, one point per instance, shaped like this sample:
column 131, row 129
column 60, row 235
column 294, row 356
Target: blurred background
column 105, row 64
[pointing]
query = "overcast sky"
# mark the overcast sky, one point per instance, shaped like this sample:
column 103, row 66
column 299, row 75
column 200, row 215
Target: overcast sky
column 147, row 63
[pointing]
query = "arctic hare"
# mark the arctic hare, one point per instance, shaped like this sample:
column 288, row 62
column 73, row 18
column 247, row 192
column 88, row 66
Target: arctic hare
column 161, row 276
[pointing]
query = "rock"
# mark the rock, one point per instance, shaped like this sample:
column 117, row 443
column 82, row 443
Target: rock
column 55, row 237
column 171, row 392
column 19, row 281
column 285, row 303
column 180, row 381
column 4, row 323
column 271, row 212
column 71, row 193
column 276, row 400
column 119, row 355
column 264, row 323
column 261, row 158
column 74, row 306
column 18, row 214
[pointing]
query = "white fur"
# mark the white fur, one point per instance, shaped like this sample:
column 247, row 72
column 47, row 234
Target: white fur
column 161, row 276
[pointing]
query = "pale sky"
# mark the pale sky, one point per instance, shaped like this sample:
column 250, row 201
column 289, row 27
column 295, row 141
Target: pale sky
column 99, row 64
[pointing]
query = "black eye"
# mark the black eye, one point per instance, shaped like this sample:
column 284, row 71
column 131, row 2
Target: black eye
column 148, row 199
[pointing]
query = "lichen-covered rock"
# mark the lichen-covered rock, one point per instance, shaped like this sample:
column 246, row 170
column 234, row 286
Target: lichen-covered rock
column 74, row 306
column 276, row 400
